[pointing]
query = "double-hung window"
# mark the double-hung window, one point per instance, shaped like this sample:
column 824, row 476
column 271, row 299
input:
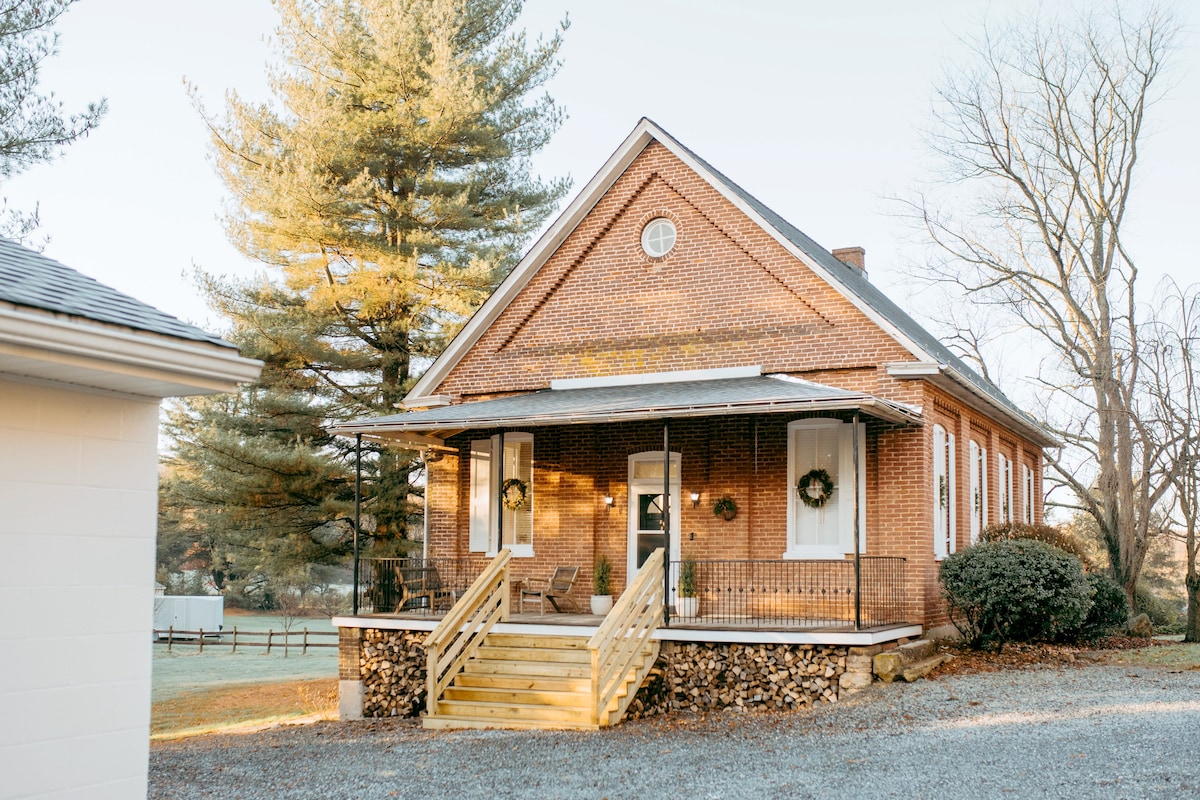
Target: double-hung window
column 825, row 530
column 1026, row 495
column 1005, row 480
column 944, row 500
column 979, row 489
column 502, row 500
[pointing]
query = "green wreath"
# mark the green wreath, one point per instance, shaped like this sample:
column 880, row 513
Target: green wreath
column 807, row 481
column 513, row 493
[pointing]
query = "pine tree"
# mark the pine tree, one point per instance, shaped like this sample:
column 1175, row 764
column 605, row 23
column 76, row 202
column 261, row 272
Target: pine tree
column 388, row 189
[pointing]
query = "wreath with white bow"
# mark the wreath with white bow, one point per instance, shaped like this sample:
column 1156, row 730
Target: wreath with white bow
column 814, row 488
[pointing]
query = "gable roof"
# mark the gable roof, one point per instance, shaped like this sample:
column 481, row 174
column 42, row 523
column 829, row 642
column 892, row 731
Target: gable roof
column 28, row 278
column 945, row 369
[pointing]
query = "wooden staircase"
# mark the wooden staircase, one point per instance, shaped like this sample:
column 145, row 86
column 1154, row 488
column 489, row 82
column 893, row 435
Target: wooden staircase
column 483, row 678
column 533, row 681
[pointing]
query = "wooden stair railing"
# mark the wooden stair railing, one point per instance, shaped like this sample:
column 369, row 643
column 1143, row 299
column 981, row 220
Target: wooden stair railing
column 461, row 632
column 625, row 637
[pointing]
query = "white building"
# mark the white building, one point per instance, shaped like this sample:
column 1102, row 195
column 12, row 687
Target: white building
column 82, row 370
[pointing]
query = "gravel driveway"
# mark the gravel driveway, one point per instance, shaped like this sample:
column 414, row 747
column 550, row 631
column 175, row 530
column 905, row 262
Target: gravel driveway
column 1088, row 732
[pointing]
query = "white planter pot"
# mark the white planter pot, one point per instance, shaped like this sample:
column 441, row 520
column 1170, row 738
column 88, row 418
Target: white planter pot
column 687, row 606
column 601, row 604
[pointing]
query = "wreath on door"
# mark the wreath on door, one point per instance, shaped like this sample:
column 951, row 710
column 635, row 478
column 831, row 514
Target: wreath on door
column 815, row 487
column 513, row 493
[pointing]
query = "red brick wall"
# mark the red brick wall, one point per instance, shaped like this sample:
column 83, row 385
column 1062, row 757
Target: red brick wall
column 727, row 295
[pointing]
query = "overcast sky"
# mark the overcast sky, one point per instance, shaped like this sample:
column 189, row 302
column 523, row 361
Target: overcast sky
column 814, row 107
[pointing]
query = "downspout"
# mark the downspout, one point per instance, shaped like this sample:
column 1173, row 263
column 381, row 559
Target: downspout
column 857, row 547
column 425, row 514
column 357, row 510
column 667, row 524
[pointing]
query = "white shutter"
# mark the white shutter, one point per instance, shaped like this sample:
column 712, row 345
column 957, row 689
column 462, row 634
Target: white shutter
column 481, row 496
column 951, row 494
column 940, row 492
column 983, row 489
column 976, row 493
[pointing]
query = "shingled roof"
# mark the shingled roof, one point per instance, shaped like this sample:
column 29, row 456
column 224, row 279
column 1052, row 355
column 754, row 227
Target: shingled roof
column 28, row 278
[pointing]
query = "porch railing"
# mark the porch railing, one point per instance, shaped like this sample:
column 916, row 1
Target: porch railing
column 811, row 594
column 381, row 590
column 624, row 638
column 461, row 632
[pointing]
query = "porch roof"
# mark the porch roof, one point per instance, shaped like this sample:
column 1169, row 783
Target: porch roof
column 764, row 394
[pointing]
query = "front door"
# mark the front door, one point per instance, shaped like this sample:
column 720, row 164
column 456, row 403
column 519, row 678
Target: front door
column 646, row 509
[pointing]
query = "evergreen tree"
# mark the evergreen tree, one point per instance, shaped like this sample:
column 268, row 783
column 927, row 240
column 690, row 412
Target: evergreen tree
column 387, row 187
column 33, row 125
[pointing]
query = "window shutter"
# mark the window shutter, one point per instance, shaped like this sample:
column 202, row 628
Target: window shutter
column 941, row 492
column 951, row 495
column 481, row 495
column 983, row 489
column 976, row 493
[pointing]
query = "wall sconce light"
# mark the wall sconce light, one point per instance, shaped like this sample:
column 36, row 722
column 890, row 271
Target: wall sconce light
column 608, row 501
column 695, row 499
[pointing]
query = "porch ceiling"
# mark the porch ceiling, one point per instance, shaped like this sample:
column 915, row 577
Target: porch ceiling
column 764, row 394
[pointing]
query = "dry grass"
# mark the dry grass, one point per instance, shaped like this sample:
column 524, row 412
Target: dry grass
column 242, row 705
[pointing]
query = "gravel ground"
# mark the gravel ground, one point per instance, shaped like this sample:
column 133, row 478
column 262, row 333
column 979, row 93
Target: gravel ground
column 1088, row 732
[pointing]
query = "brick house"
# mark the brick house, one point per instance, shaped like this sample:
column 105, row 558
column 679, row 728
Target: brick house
column 668, row 311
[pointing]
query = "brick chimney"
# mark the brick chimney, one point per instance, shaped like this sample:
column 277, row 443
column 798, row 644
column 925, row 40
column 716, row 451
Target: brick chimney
column 853, row 256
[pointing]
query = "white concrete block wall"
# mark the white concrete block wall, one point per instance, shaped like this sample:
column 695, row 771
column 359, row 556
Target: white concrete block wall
column 78, row 504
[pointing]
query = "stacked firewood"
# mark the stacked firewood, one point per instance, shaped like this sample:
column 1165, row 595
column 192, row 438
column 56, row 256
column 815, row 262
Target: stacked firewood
column 393, row 673
column 704, row 677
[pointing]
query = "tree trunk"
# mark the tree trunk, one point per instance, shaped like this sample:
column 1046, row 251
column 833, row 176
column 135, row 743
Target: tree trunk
column 1192, row 633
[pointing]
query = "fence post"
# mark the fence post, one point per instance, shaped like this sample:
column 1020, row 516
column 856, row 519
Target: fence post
column 201, row 640
column 270, row 636
column 304, row 649
column 234, row 639
column 170, row 638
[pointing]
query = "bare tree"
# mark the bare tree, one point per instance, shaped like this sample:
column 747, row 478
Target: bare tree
column 1172, row 335
column 1039, row 144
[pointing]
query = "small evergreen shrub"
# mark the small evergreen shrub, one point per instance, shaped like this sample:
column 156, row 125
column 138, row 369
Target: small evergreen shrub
column 1007, row 531
column 1015, row 590
column 602, row 576
column 1109, row 611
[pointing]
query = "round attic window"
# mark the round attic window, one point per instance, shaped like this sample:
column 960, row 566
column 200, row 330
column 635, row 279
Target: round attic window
column 658, row 237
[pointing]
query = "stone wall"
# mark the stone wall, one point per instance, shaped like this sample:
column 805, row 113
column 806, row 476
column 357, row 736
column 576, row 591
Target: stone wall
column 688, row 676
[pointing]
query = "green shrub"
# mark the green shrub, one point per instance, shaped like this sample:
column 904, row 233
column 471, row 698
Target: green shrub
column 1109, row 611
column 1015, row 590
column 1057, row 537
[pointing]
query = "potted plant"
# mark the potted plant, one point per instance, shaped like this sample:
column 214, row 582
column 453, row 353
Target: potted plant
column 687, row 604
column 601, row 586
column 725, row 508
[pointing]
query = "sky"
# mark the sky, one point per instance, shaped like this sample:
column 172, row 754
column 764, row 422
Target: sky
column 816, row 108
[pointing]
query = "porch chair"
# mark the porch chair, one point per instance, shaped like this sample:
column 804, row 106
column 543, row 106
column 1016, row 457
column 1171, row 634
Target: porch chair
column 557, row 589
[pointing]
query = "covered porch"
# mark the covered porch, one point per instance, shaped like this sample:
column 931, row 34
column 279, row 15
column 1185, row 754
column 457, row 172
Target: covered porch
column 623, row 466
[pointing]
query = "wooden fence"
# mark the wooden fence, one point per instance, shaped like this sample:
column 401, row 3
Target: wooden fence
column 235, row 639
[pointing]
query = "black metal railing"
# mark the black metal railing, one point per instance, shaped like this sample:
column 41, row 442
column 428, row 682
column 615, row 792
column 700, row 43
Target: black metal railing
column 805, row 594
column 390, row 585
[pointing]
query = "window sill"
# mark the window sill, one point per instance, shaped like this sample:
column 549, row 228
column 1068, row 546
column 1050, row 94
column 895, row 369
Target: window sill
column 517, row 550
column 814, row 554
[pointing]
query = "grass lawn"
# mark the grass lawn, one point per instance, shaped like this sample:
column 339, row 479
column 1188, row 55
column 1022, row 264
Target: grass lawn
column 194, row 692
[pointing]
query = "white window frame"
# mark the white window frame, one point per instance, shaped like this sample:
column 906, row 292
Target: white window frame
column 945, row 499
column 844, row 499
column 979, row 489
column 484, row 505
column 1027, row 491
column 1004, row 514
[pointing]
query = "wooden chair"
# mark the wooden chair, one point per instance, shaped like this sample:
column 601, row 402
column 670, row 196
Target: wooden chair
column 421, row 589
column 557, row 589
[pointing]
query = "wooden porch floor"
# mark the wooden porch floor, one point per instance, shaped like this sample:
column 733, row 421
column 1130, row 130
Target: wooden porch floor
column 699, row 623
